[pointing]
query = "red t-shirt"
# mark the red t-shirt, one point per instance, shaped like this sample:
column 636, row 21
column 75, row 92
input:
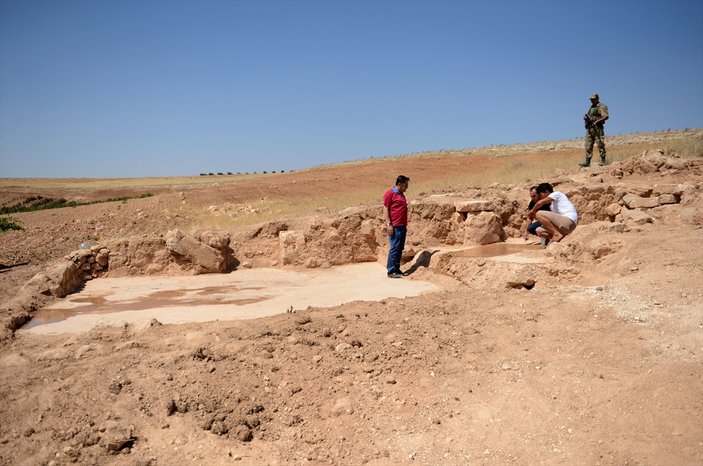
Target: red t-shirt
column 397, row 207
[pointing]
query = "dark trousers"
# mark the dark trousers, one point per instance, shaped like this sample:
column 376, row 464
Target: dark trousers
column 397, row 240
column 532, row 229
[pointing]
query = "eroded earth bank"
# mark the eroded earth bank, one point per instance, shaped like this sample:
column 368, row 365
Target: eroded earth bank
column 586, row 352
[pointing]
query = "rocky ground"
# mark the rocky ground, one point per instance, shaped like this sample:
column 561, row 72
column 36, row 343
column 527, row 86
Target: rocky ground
column 598, row 363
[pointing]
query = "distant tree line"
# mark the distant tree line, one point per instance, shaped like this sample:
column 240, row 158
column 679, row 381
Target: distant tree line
column 34, row 203
column 240, row 173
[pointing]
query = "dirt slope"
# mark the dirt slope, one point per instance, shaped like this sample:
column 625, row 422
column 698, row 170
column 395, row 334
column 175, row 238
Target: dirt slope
column 599, row 363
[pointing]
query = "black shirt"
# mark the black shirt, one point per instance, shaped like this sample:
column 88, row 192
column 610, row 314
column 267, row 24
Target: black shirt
column 544, row 207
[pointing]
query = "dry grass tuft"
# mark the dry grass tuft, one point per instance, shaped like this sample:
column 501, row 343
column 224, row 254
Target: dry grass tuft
column 687, row 147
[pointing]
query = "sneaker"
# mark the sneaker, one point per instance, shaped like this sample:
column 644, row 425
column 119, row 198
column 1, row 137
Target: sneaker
column 544, row 242
column 395, row 275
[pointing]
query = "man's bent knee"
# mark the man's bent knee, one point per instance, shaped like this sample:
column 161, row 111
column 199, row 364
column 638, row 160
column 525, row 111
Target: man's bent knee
column 539, row 216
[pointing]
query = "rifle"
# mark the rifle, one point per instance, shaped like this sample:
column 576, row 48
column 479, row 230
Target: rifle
column 590, row 125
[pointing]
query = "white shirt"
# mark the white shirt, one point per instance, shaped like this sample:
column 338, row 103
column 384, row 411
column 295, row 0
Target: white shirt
column 563, row 206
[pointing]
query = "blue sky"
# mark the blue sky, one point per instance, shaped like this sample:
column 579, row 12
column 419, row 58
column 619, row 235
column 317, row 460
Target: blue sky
column 121, row 88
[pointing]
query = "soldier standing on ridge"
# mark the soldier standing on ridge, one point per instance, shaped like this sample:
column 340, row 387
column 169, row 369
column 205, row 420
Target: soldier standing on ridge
column 594, row 118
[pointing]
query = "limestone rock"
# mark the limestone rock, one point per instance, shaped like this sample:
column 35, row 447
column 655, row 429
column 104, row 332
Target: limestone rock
column 667, row 199
column 40, row 283
column 636, row 216
column 204, row 258
column 633, row 201
column 290, row 243
column 60, row 279
column 483, row 228
column 674, row 189
column 214, row 240
column 433, row 208
column 613, row 209
column 692, row 215
column 475, row 205
column 117, row 436
column 521, row 282
column 102, row 257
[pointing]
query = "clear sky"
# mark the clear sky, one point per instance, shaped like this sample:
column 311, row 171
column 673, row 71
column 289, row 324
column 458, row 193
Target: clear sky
column 122, row 88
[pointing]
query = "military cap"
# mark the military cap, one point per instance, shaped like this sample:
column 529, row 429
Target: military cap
column 594, row 96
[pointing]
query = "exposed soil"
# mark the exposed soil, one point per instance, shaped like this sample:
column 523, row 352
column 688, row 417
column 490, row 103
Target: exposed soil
column 600, row 362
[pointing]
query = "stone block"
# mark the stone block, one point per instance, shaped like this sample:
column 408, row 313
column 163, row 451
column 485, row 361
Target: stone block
column 633, row 201
column 636, row 216
column 667, row 199
column 475, row 205
column 205, row 258
column 675, row 189
column 290, row 243
column 483, row 228
column 613, row 209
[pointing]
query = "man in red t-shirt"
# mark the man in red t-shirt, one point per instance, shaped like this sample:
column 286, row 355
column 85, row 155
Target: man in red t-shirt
column 395, row 211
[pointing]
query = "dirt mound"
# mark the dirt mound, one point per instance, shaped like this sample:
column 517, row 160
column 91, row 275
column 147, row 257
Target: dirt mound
column 586, row 352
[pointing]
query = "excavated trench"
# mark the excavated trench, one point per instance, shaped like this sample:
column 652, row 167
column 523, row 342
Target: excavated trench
column 247, row 293
column 260, row 287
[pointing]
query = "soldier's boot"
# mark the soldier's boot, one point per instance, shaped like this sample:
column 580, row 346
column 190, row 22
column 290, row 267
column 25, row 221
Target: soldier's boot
column 586, row 162
column 602, row 162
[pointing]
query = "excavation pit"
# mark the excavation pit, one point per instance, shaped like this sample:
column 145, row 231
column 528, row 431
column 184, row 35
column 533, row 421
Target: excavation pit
column 244, row 294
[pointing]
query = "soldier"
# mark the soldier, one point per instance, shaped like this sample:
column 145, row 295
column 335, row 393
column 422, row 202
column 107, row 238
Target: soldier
column 594, row 118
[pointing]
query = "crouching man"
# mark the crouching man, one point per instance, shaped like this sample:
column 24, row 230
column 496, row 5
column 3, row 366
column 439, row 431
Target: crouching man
column 557, row 222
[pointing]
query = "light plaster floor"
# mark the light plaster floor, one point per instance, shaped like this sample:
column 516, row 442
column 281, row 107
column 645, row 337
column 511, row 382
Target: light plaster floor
column 243, row 294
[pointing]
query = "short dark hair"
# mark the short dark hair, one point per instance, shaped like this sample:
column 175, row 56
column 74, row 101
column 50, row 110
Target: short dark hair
column 533, row 188
column 545, row 188
column 401, row 179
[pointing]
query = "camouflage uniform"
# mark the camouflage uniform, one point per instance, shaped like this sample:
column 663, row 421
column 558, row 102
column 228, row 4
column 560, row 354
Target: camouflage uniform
column 596, row 134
